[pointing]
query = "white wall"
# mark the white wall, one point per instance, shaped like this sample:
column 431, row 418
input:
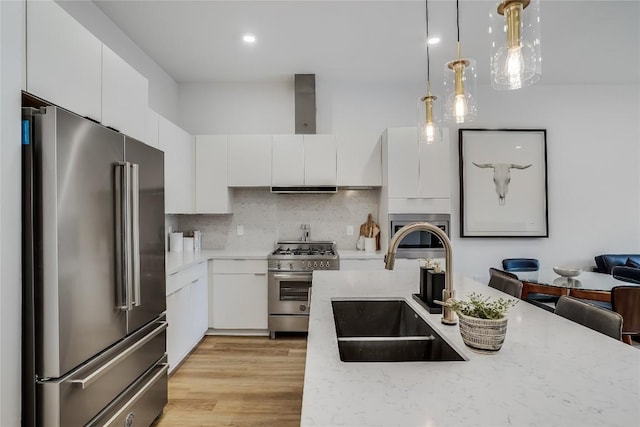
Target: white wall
column 163, row 90
column 593, row 151
column 11, row 73
column 342, row 107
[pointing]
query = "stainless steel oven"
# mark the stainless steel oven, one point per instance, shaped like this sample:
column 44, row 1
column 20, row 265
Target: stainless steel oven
column 420, row 244
column 291, row 268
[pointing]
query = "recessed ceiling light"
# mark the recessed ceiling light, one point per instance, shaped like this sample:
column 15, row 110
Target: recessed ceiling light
column 433, row 40
column 249, row 38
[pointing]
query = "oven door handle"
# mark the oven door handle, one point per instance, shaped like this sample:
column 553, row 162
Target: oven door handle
column 291, row 276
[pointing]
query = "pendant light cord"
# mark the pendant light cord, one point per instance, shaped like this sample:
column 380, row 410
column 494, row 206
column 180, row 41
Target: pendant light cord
column 427, row 26
column 458, row 20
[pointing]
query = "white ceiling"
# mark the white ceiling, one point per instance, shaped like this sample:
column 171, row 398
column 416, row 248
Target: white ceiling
column 583, row 42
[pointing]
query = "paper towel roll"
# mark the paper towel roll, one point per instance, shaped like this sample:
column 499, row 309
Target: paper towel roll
column 175, row 242
column 187, row 244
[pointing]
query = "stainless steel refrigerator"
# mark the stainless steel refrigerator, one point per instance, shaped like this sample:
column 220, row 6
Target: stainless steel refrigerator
column 94, row 345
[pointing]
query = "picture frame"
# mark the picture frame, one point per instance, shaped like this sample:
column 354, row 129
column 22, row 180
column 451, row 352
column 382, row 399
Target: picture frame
column 503, row 183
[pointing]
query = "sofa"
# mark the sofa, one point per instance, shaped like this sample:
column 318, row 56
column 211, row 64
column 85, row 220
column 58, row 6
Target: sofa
column 605, row 262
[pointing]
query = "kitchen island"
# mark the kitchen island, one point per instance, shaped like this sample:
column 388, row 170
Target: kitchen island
column 549, row 372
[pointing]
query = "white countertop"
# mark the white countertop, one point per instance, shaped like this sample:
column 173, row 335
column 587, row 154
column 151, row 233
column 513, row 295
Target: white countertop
column 356, row 254
column 549, row 372
column 176, row 261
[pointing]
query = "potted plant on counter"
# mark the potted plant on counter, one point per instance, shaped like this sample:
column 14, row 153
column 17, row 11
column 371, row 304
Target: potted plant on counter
column 483, row 322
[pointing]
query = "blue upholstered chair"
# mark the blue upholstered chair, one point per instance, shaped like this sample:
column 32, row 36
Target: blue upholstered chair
column 522, row 267
column 626, row 274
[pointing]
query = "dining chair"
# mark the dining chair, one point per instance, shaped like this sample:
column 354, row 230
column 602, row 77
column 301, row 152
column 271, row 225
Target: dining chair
column 528, row 265
column 505, row 282
column 604, row 321
column 625, row 300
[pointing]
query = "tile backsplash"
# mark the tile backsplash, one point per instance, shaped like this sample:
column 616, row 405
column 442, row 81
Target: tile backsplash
column 266, row 218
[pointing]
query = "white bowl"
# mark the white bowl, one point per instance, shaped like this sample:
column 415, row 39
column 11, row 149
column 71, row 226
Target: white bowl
column 567, row 271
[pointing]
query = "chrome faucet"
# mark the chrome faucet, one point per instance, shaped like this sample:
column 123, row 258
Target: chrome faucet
column 448, row 315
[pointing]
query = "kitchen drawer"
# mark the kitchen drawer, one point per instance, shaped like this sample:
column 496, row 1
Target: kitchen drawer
column 184, row 277
column 239, row 266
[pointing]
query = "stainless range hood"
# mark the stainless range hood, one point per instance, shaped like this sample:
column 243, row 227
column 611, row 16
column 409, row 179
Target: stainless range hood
column 319, row 189
column 305, row 123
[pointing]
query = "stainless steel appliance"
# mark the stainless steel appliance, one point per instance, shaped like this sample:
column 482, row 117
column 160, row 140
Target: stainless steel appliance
column 94, row 344
column 419, row 244
column 291, row 267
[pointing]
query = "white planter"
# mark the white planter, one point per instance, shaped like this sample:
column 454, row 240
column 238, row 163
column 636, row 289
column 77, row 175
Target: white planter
column 483, row 334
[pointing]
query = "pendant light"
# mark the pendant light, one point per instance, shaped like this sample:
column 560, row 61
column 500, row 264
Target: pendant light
column 428, row 114
column 460, row 85
column 515, row 44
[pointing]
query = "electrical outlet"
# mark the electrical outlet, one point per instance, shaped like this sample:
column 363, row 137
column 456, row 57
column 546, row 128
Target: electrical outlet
column 240, row 230
column 349, row 230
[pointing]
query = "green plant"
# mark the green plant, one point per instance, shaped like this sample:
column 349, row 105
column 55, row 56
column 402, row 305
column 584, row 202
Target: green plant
column 481, row 307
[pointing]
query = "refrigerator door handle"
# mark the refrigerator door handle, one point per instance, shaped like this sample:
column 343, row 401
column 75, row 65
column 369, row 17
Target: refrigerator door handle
column 91, row 378
column 127, row 238
column 122, row 237
column 135, row 234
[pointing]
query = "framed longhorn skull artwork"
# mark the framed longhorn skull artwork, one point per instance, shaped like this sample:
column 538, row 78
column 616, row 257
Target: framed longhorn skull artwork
column 503, row 183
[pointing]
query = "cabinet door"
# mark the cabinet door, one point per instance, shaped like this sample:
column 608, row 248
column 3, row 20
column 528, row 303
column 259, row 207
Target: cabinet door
column 125, row 96
column 178, row 317
column 153, row 121
column 240, row 301
column 320, row 160
column 199, row 312
column 249, row 160
column 64, row 60
column 178, row 167
column 211, row 190
column 435, row 170
column 359, row 160
column 287, row 161
column 402, row 162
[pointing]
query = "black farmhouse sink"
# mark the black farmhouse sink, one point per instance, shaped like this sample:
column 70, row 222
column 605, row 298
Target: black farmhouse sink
column 387, row 331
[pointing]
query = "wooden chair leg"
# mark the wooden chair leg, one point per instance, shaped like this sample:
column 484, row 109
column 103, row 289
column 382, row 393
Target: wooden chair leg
column 627, row 339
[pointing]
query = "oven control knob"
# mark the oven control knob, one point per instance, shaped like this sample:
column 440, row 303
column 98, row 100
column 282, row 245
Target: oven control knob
column 326, row 264
column 290, row 266
column 303, row 307
column 309, row 264
column 279, row 265
column 321, row 264
column 315, row 264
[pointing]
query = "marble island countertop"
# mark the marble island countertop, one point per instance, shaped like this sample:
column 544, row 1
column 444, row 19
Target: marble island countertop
column 549, row 372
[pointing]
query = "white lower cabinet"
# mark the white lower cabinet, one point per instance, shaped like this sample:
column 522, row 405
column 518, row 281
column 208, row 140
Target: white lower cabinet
column 239, row 298
column 186, row 311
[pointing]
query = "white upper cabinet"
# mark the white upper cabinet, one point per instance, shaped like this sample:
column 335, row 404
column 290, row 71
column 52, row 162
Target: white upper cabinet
column 178, row 167
column 287, row 162
column 249, row 160
column 64, row 60
column 412, row 170
column 359, row 160
column 125, row 96
column 153, row 122
column 435, row 169
column 303, row 160
column 320, row 160
column 211, row 191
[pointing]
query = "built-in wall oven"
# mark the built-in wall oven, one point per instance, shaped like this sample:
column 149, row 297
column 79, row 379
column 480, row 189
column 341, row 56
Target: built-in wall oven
column 419, row 244
column 291, row 268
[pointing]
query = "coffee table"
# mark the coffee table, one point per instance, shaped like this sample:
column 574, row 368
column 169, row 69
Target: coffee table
column 587, row 285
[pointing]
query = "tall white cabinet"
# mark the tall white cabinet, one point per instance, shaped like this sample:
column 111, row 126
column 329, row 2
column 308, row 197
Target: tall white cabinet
column 211, row 190
column 178, row 147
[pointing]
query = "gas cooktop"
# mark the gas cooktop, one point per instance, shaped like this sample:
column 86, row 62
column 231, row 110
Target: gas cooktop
column 299, row 255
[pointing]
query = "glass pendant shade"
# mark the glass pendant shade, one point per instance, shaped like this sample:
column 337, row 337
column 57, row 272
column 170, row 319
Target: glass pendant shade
column 514, row 33
column 429, row 130
column 460, row 88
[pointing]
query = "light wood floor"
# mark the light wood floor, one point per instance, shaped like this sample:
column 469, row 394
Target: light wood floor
column 238, row 381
